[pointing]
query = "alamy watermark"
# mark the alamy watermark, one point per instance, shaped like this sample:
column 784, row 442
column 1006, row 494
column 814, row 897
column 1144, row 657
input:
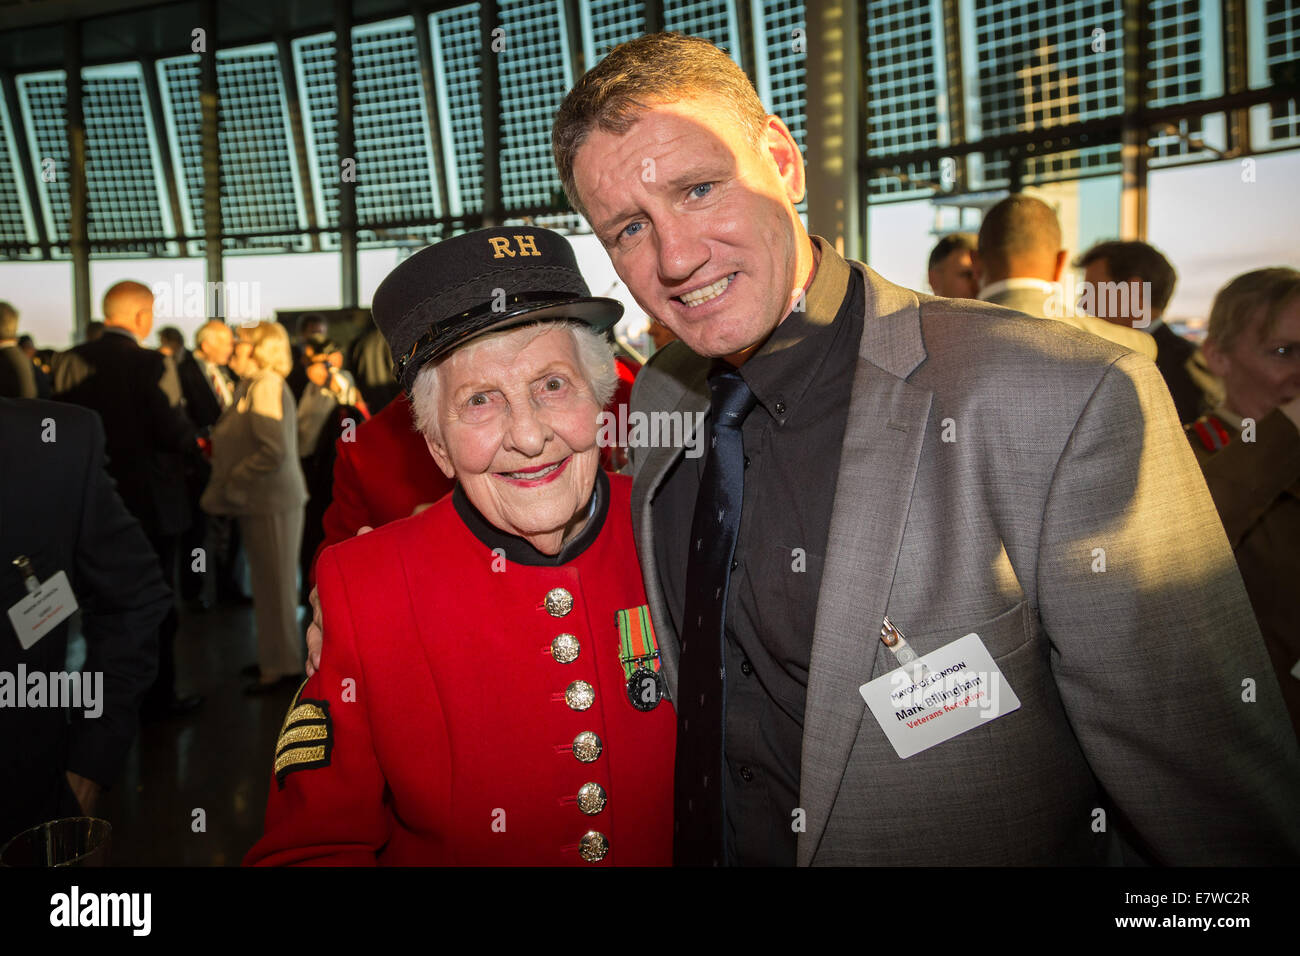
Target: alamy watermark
column 70, row 690
column 628, row 429
column 1104, row 300
column 232, row 301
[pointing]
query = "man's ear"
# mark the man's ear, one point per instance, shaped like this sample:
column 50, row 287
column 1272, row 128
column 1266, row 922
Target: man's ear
column 789, row 161
column 1061, row 256
column 440, row 456
column 1216, row 358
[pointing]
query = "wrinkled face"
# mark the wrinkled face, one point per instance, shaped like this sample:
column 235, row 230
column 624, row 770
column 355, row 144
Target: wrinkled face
column 698, row 223
column 1261, row 373
column 217, row 346
column 517, row 429
column 954, row 276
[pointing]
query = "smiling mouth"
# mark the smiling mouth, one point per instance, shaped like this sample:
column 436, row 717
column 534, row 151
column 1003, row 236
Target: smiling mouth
column 540, row 473
column 700, row 296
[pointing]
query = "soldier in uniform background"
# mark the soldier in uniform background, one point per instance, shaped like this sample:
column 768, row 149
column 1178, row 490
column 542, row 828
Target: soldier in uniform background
column 1249, row 451
column 491, row 690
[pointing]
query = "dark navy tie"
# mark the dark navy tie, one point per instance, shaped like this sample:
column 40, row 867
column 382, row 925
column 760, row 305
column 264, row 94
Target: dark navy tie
column 698, row 790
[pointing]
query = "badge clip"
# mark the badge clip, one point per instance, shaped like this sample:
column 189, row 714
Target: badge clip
column 30, row 580
column 893, row 639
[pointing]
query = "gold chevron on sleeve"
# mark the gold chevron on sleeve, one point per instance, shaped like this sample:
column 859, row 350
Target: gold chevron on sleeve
column 306, row 738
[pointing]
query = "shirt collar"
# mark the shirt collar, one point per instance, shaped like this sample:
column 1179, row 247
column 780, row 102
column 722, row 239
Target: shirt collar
column 118, row 330
column 1017, row 282
column 518, row 550
column 780, row 372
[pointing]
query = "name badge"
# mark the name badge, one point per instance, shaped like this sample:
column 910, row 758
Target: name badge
column 43, row 609
column 946, row 693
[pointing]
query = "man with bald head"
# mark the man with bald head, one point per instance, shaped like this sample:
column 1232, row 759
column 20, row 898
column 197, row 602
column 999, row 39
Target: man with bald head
column 147, row 440
column 1020, row 260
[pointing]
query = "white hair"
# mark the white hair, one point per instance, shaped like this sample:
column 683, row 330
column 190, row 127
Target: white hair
column 595, row 363
column 208, row 328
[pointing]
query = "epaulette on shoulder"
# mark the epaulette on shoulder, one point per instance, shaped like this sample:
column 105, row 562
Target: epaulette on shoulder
column 1212, row 433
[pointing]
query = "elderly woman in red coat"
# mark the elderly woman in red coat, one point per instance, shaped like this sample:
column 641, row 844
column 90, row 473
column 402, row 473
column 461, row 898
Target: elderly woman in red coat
column 490, row 692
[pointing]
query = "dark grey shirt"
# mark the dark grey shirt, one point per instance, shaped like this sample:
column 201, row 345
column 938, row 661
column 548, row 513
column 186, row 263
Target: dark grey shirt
column 802, row 378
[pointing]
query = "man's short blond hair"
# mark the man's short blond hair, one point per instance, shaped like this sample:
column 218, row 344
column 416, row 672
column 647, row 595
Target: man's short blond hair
column 1252, row 300
column 651, row 70
column 271, row 349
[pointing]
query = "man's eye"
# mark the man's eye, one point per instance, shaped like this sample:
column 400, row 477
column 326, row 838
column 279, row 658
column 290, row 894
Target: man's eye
column 631, row 229
column 702, row 190
column 1284, row 351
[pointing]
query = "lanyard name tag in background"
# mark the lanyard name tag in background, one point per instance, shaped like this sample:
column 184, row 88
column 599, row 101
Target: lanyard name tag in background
column 950, row 691
column 43, row 609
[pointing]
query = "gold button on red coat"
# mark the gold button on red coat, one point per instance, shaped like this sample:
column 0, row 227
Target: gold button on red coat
column 559, row 602
column 565, row 648
column 586, row 747
column 593, row 846
column 579, row 695
column 591, row 798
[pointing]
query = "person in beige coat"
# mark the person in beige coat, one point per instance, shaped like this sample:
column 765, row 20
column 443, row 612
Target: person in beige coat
column 256, row 476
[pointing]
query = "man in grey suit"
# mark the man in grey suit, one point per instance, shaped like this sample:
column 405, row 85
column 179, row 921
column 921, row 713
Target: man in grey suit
column 946, row 467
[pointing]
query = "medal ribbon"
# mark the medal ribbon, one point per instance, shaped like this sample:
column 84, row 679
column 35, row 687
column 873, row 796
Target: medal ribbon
column 637, row 640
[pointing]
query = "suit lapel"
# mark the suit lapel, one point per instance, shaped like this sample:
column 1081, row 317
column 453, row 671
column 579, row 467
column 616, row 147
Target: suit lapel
column 686, row 394
column 878, row 464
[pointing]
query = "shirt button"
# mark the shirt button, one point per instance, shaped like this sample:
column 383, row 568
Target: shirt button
column 780, row 408
column 746, row 668
column 734, row 564
column 746, row 774
column 746, row 461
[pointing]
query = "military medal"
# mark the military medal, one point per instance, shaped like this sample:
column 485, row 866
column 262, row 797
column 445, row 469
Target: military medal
column 639, row 654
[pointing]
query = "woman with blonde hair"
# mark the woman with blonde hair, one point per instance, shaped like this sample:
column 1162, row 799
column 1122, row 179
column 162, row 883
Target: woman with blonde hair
column 256, row 477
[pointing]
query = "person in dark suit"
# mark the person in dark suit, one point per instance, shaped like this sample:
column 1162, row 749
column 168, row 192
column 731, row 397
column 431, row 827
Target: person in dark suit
column 206, row 382
column 1149, row 280
column 147, row 441
column 59, row 510
column 208, row 387
column 17, row 375
column 311, row 327
column 39, row 367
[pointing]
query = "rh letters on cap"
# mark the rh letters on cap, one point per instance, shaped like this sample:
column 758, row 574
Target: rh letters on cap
column 501, row 246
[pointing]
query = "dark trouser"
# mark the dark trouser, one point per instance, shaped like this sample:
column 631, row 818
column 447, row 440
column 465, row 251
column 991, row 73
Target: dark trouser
column 164, row 687
column 320, row 487
column 192, row 582
column 223, row 544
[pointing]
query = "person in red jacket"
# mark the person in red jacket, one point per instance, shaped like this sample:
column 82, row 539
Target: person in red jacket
column 382, row 472
column 491, row 693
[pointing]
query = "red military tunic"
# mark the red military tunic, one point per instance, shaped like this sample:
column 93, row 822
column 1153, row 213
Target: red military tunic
column 437, row 730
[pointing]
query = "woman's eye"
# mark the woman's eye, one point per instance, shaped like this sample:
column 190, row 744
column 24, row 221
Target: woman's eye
column 554, row 383
column 477, row 398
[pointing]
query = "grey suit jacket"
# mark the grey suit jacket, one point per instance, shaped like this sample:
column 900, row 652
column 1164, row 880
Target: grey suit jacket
column 1034, row 303
column 989, row 466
